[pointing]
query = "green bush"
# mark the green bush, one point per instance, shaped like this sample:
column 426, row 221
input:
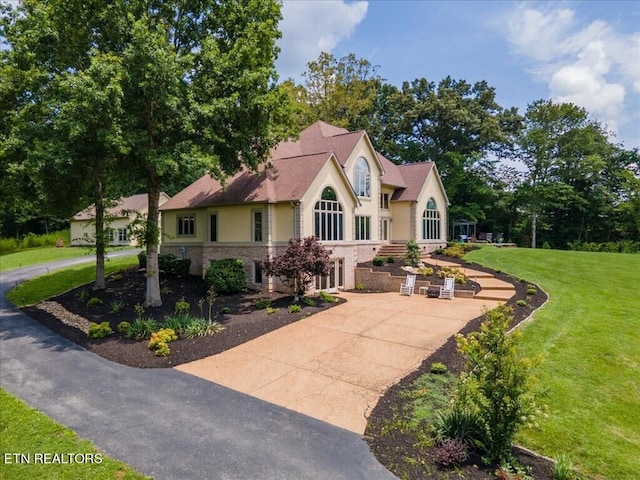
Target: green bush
column 142, row 328
column 159, row 341
column 378, row 261
column 271, row 310
column 116, row 306
column 226, row 276
column 425, row 271
column 99, row 330
column 438, row 368
column 168, row 263
column 262, row 303
column 225, row 310
column 294, row 308
column 521, row 303
column 326, row 297
column 199, row 327
column 309, row 302
column 391, row 259
column 532, row 291
column 123, row 328
column 94, row 302
column 413, row 253
column 182, row 306
column 458, row 423
column 178, row 322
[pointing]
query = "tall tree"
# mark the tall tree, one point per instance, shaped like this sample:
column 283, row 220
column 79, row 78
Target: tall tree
column 193, row 83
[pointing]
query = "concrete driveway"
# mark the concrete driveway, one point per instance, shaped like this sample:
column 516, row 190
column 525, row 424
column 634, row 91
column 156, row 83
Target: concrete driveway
column 335, row 365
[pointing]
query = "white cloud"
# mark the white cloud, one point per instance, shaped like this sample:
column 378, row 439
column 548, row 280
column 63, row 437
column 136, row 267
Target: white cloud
column 591, row 65
column 313, row 26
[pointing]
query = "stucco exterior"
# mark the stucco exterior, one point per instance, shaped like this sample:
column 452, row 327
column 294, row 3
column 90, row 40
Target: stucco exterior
column 328, row 181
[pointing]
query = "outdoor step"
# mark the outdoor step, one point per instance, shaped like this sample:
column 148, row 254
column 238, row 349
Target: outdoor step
column 493, row 294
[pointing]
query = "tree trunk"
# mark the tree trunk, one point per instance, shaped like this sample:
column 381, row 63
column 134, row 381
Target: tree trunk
column 153, row 298
column 533, row 229
column 100, row 237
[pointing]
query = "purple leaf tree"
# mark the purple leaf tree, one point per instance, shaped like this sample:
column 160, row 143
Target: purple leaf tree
column 299, row 264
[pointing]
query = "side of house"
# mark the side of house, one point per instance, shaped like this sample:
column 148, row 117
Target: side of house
column 331, row 184
column 117, row 222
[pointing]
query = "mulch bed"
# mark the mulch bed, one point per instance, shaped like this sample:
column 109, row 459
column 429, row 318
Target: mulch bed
column 244, row 322
column 400, row 451
column 391, row 447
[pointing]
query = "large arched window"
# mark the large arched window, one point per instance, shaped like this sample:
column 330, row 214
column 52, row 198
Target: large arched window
column 329, row 218
column 362, row 178
column 431, row 221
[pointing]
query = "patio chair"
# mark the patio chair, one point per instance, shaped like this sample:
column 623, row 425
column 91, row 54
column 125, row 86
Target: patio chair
column 446, row 290
column 407, row 287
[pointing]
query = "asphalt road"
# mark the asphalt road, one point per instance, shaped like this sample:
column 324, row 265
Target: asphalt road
column 163, row 422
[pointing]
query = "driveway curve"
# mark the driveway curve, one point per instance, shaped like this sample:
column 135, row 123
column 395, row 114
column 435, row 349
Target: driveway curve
column 163, row 422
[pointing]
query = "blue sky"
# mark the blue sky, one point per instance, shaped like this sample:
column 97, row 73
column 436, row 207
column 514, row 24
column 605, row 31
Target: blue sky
column 584, row 52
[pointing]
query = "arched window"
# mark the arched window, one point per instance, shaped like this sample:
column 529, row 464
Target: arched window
column 431, row 221
column 362, row 178
column 328, row 216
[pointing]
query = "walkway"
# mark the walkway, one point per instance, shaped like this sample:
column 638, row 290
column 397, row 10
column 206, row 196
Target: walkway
column 163, row 422
column 335, row 365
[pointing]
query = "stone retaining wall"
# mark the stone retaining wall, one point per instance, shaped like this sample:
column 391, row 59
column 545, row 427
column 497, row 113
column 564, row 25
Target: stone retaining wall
column 367, row 279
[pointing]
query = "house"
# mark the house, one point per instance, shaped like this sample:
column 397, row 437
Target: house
column 331, row 184
column 118, row 218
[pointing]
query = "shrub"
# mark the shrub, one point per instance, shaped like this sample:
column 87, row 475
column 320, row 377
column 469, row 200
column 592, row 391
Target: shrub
column 168, row 263
column 99, row 330
column 532, row 291
column 271, row 310
column 413, row 253
column 425, row 271
column 226, row 276
column 162, row 350
column 164, row 335
column 563, row 468
column 262, row 303
column 495, row 384
column 199, row 327
column 391, row 259
column 116, row 306
column 451, row 452
column 459, row 423
column 459, row 277
column 360, row 286
column 309, row 302
column 325, row 297
column 454, row 251
column 142, row 328
column 178, row 321
column 294, row 308
column 94, row 302
column 521, row 303
column 378, row 261
column 224, row 311
column 438, row 368
column 142, row 260
column 182, row 306
column 123, row 328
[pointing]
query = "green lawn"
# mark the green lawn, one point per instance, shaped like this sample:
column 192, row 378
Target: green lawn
column 589, row 336
column 29, row 440
column 48, row 285
column 34, row 256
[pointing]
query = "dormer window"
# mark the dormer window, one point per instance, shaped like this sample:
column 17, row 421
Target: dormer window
column 362, row 178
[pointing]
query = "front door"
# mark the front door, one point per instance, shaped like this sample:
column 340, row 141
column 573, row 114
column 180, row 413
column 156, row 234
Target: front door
column 335, row 279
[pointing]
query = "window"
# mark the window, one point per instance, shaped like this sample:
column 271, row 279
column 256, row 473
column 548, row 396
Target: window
column 257, row 272
column 257, row 226
column 111, row 237
column 213, row 227
column 187, row 226
column 362, row 178
column 384, row 201
column 431, row 222
column 363, row 230
column 123, row 235
column 328, row 216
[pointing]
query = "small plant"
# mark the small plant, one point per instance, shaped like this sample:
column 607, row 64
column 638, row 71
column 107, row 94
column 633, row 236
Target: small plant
column 391, row 259
column 99, row 330
column 360, row 286
column 262, row 303
column 82, row 295
column 224, row 311
column 123, row 328
column 211, row 298
column 378, row 261
column 532, row 290
column 309, row 302
column 460, row 278
column 182, row 306
column 294, row 308
column 116, row 277
column 271, row 310
column 159, row 341
column 413, row 253
column 178, row 321
column 142, row 328
column 563, row 468
column 116, row 306
column 521, row 303
column 425, row 271
column 325, row 297
column 94, row 302
column 165, row 290
column 438, row 368
column 139, row 309
column 199, row 327
column 457, row 423
column 452, row 451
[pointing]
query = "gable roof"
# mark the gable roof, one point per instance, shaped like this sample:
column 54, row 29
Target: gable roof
column 294, row 166
column 124, row 206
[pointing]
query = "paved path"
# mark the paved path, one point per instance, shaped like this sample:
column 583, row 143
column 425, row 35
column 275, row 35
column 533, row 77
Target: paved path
column 166, row 423
column 336, row 364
